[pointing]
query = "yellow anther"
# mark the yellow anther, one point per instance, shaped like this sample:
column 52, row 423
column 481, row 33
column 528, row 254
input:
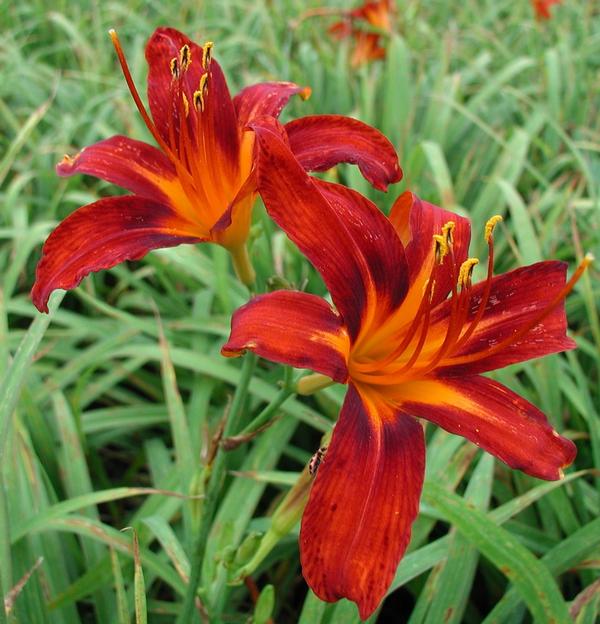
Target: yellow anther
column 203, row 84
column 441, row 247
column 466, row 271
column 206, row 54
column 186, row 104
column 448, row 232
column 185, row 57
column 201, row 92
column 174, row 67
column 198, row 100
column 490, row 225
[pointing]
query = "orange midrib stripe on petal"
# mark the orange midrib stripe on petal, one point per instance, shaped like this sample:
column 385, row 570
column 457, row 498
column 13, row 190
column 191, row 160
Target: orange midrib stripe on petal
column 434, row 392
column 376, row 339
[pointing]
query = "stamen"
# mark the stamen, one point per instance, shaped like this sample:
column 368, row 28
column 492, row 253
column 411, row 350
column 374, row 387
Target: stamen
column 466, row 272
column 185, row 57
column 489, row 237
column 458, row 313
column 186, row 104
column 174, row 67
column 201, row 92
column 448, row 232
column 207, row 54
column 136, row 96
column 198, row 104
column 409, row 334
column 422, row 338
column 490, row 225
column 568, row 287
column 441, row 248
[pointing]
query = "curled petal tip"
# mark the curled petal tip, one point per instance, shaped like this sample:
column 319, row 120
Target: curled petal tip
column 65, row 166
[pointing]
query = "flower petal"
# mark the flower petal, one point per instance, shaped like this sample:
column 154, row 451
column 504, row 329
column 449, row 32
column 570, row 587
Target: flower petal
column 494, row 418
column 379, row 244
column 320, row 142
column 516, row 299
column 346, row 238
column 357, row 523
column 416, row 222
column 265, row 98
column 99, row 236
column 222, row 134
column 132, row 165
column 164, row 45
column 293, row 328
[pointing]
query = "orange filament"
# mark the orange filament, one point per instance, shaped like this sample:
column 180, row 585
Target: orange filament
column 134, row 93
column 489, row 229
column 206, row 54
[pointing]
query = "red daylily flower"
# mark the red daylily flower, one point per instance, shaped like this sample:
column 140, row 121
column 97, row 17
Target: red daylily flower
column 542, row 8
column 367, row 45
column 410, row 335
column 200, row 185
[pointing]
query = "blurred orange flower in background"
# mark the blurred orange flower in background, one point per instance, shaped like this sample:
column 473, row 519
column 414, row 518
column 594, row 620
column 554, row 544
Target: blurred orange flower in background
column 542, row 8
column 356, row 23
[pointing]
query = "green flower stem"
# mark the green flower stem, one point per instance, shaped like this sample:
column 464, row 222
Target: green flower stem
column 243, row 265
column 188, row 613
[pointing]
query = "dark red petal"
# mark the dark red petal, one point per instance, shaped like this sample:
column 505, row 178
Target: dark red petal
column 133, row 165
column 416, row 222
column 164, row 45
column 320, row 142
column 494, row 418
column 293, row 328
column 516, row 298
column 265, row 98
column 101, row 235
column 219, row 124
column 357, row 523
column 346, row 238
column 376, row 239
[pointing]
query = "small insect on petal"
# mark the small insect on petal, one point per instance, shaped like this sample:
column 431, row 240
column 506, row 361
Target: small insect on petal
column 315, row 460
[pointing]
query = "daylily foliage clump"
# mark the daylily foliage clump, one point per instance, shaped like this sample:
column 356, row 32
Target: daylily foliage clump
column 407, row 330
